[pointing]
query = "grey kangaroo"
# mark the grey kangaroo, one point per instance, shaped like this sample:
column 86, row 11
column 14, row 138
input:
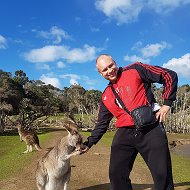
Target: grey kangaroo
column 54, row 170
column 30, row 138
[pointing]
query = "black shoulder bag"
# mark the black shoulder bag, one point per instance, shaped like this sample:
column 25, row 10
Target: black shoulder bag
column 142, row 116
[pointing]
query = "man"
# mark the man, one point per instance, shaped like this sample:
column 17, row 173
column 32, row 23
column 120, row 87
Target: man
column 133, row 85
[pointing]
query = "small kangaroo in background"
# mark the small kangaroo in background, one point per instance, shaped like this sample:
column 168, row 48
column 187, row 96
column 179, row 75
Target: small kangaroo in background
column 54, row 169
column 30, row 138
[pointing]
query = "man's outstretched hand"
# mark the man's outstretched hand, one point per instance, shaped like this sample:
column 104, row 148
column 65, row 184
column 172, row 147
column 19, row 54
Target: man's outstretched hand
column 85, row 149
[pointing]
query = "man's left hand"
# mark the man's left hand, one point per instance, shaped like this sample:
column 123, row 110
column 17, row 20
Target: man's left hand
column 161, row 114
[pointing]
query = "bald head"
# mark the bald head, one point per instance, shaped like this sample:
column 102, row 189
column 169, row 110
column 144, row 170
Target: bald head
column 103, row 56
column 107, row 67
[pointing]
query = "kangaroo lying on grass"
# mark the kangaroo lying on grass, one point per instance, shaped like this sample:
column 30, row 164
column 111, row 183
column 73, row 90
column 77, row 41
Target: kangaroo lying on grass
column 54, row 170
column 30, row 138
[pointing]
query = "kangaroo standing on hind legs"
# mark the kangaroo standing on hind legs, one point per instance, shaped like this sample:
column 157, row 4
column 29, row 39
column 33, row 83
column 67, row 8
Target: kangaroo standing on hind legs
column 30, row 138
column 54, row 169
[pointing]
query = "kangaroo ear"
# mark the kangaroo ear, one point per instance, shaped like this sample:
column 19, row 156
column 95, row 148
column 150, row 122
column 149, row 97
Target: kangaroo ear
column 69, row 117
column 67, row 128
column 71, row 129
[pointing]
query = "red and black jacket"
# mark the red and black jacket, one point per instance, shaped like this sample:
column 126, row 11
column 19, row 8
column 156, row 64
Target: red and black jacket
column 134, row 88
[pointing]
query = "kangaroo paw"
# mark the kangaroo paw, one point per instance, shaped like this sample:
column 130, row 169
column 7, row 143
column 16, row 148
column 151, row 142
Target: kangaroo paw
column 66, row 157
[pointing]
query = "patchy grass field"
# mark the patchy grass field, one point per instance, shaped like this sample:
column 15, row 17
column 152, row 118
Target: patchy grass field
column 12, row 159
column 181, row 165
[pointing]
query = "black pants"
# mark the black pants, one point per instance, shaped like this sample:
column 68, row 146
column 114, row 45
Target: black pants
column 153, row 147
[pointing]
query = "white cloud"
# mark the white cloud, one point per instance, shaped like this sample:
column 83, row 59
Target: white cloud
column 54, row 53
column 180, row 65
column 51, row 80
column 137, row 45
column 56, row 34
column 89, row 81
column 150, row 50
column 91, row 88
column 43, row 66
column 44, row 54
column 165, row 6
column 124, row 11
column 73, row 81
column 18, row 41
column 135, row 58
column 93, row 29
column 60, row 64
column 70, row 76
column 3, row 42
column 88, row 53
column 73, row 78
column 153, row 50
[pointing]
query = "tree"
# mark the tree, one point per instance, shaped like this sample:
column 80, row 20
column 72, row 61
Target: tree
column 178, row 119
column 6, row 87
column 76, row 101
column 92, row 98
column 20, row 77
column 40, row 100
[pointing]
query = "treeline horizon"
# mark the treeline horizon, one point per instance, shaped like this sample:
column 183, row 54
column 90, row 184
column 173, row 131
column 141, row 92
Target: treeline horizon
column 28, row 100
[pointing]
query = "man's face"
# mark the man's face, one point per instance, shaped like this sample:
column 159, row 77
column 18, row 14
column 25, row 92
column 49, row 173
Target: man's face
column 107, row 68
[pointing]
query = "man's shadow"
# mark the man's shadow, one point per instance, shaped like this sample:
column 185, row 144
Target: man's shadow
column 107, row 186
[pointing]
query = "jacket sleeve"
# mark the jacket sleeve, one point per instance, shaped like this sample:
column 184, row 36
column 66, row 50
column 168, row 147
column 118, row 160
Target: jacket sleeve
column 166, row 77
column 104, row 118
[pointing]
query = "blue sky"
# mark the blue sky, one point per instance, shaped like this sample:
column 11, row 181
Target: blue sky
column 58, row 41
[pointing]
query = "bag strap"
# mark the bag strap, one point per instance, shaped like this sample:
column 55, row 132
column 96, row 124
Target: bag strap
column 119, row 100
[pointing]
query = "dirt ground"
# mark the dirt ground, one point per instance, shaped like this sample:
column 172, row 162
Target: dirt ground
column 89, row 171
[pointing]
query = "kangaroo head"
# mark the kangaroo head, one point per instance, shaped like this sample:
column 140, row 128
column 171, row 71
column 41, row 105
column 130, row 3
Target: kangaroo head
column 74, row 137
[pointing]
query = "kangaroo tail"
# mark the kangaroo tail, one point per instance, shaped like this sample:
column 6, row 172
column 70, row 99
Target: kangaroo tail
column 37, row 146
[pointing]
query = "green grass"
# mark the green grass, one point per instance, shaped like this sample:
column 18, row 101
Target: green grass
column 12, row 160
column 181, row 168
column 180, row 165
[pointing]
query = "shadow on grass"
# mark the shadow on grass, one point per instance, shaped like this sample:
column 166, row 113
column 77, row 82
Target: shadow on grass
column 107, row 186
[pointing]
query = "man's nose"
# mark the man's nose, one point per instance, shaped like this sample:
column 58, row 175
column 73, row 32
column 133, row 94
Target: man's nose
column 110, row 70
